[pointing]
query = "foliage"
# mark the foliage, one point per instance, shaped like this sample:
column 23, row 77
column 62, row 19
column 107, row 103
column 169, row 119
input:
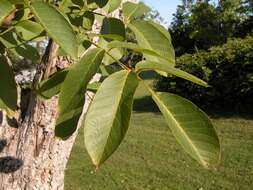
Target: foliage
column 229, row 18
column 228, row 70
column 69, row 24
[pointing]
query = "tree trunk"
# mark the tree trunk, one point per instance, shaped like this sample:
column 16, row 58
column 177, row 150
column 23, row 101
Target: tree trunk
column 31, row 158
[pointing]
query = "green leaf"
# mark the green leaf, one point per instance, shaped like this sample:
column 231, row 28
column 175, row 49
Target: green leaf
column 78, row 2
column 21, row 15
column 107, row 70
column 93, row 87
column 97, row 3
column 72, row 95
column 67, row 5
column 116, row 53
column 133, row 10
column 17, row 2
column 28, row 29
column 57, row 26
column 8, row 91
column 132, row 46
column 83, row 46
column 112, row 5
column 170, row 69
column 85, row 20
column 52, row 86
column 191, row 127
column 109, row 115
column 88, row 20
column 13, row 43
column 154, row 37
column 5, row 9
column 113, row 27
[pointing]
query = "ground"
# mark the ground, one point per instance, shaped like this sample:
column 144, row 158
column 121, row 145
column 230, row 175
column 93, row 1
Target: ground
column 150, row 159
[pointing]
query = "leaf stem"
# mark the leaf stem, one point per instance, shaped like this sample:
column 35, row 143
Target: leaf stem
column 108, row 53
column 4, row 32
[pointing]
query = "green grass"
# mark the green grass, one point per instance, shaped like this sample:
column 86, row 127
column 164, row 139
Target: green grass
column 150, row 159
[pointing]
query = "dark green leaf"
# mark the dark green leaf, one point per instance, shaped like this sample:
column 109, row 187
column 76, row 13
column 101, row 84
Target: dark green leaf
column 88, row 20
column 8, row 91
column 97, row 3
column 11, row 41
column 72, row 95
column 114, row 27
column 52, row 86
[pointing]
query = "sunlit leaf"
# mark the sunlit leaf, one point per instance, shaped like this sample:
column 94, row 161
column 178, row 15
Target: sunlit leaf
column 133, row 46
column 28, row 29
column 191, row 127
column 115, row 54
column 57, row 26
column 154, row 37
column 133, row 10
column 170, row 69
column 108, row 117
column 112, row 5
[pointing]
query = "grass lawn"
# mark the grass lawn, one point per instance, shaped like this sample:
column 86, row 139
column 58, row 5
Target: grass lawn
column 150, row 159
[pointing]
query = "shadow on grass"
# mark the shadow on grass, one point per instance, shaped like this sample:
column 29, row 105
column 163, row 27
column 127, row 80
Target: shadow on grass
column 146, row 104
column 226, row 113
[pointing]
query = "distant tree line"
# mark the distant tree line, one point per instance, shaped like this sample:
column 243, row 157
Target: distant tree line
column 198, row 25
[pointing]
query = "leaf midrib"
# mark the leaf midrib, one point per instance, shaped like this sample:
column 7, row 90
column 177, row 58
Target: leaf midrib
column 131, row 13
column 115, row 113
column 149, row 44
column 182, row 130
column 51, row 32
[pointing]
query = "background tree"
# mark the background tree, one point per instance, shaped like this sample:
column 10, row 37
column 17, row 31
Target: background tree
column 204, row 35
column 190, row 32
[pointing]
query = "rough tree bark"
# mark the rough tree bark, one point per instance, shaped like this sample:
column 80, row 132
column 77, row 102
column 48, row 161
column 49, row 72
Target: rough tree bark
column 31, row 158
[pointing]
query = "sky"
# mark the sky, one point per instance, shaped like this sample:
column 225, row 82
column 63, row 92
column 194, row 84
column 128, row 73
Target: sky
column 165, row 7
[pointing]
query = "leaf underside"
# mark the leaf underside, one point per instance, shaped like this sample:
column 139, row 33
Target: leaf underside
column 109, row 115
column 191, row 127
